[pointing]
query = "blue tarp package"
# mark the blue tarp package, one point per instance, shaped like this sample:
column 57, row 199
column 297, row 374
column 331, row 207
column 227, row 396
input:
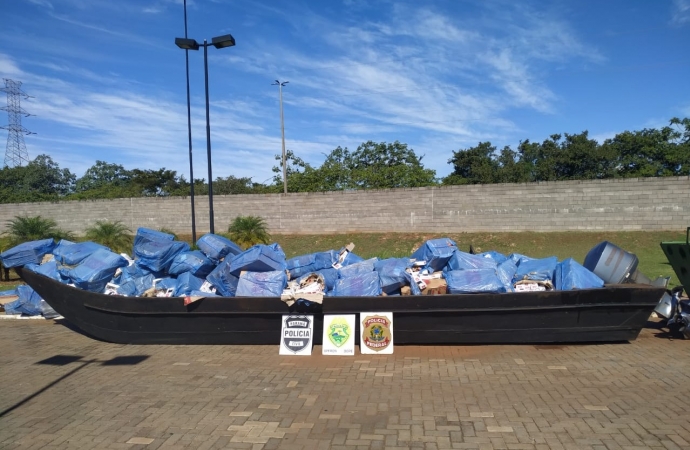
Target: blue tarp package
column 135, row 287
column 436, row 253
column 71, row 254
column 49, row 269
column 473, row 281
column 262, row 284
column 570, row 274
column 392, row 273
column 192, row 261
column 313, row 262
column 345, row 257
column 357, row 268
column 28, row 303
column 221, row 278
column 496, row 256
column 259, row 258
column 187, row 283
column 8, row 293
column 536, row 269
column 363, row 285
column 158, row 255
column 95, row 271
column 278, row 249
column 28, row 252
column 330, row 276
column 216, row 247
column 130, row 271
column 517, row 258
column 146, row 235
column 461, row 261
column 506, row 271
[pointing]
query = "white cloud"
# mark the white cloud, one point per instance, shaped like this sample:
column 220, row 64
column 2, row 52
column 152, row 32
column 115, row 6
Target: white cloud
column 44, row 3
column 680, row 13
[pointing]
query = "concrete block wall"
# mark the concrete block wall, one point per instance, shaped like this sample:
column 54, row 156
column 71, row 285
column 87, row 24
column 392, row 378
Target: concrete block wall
column 620, row 204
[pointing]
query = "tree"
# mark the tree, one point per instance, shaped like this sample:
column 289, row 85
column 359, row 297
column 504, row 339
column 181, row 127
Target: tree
column 475, row 165
column 40, row 180
column 249, row 230
column 104, row 175
column 32, row 228
column 231, row 185
column 302, row 177
column 115, row 235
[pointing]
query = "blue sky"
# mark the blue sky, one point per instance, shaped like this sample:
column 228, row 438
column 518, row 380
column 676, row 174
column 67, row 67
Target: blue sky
column 108, row 82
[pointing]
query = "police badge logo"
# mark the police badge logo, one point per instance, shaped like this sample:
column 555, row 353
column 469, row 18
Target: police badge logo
column 297, row 333
column 377, row 335
column 338, row 332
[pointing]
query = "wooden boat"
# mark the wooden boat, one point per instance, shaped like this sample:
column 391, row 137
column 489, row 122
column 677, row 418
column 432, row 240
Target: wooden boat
column 609, row 314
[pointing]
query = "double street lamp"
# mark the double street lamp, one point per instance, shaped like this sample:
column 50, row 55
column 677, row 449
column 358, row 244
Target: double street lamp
column 190, row 44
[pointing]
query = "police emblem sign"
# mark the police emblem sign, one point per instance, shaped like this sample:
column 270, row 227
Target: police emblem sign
column 338, row 334
column 296, row 335
column 377, row 333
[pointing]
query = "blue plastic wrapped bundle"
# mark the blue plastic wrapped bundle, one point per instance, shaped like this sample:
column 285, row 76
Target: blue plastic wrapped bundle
column 461, row 261
column 146, row 235
column 517, row 258
column 330, row 276
column 27, row 252
column 506, row 271
column 392, row 274
column 8, row 293
column 570, row 274
column 135, row 287
column 436, row 253
column 536, row 269
column 496, row 256
column 278, row 249
column 192, row 261
column 357, row 268
column 262, row 284
column 363, row 285
column 71, row 254
column 216, row 247
column 49, row 269
column 221, row 278
column 471, row 281
column 158, row 255
column 28, row 303
column 130, row 271
column 95, row 271
column 187, row 283
column 259, row 258
column 304, row 264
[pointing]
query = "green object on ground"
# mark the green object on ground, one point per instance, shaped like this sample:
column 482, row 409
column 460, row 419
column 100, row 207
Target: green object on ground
column 678, row 254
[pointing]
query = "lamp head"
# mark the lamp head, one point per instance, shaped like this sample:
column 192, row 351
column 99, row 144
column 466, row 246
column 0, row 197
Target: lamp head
column 223, row 41
column 187, row 44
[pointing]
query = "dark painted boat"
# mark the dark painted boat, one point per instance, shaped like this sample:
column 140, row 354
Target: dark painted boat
column 611, row 314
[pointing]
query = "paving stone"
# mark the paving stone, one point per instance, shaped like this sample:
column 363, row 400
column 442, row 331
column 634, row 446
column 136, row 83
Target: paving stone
column 608, row 396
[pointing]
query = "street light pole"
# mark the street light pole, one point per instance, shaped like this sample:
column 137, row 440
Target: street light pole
column 282, row 131
column 190, row 44
column 189, row 128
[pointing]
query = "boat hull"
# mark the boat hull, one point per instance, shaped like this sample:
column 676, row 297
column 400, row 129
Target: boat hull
column 610, row 314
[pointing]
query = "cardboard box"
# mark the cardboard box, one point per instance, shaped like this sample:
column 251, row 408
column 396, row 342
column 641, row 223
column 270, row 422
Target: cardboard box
column 435, row 286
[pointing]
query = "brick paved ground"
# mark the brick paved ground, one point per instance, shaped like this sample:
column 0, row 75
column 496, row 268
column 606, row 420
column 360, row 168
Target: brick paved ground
column 109, row 396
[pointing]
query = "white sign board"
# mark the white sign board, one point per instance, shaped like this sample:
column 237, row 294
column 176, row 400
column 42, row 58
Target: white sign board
column 338, row 334
column 296, row 335
column 376, row 333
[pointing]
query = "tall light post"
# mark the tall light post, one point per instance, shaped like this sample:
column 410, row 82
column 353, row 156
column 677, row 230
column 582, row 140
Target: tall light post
column 189, row 127
column 190, row 44
column 282, row 131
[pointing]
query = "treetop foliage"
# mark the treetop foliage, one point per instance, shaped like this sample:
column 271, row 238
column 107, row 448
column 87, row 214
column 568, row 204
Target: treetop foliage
column 649, row 152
